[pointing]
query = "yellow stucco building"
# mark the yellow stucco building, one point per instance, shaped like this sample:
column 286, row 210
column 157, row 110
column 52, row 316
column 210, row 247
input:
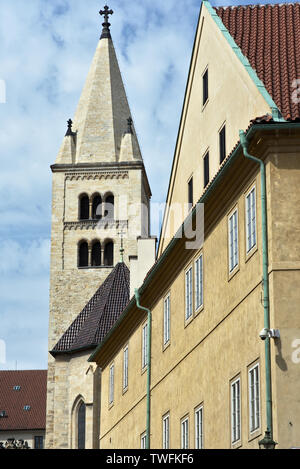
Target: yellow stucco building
column 223, row 367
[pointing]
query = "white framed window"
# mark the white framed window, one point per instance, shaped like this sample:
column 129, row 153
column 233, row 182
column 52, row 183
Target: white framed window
column 143, row 441
column 199, row 282
column 199, row 428
column 233, row 240
column 125, row 368
column 111, row 383
column 236, row 410
column 166, row 432
column 254, row 398
column 185, row 433
column 251, row 220
column 188, row 293
column 144, row 345
column 167, row 319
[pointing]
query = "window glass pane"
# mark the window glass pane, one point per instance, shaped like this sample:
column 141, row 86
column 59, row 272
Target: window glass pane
column 206, row 169
column 83, row 255
column 235, row 412
column 251, row 219
column 199, row 282
column 233, row 241
column 205, row 87
column 125, row 371
column 254, row 399
column 167, row 320
column 166, row 430
column 144, row 346
column 190, row 193
column 185, row 434
column 222, row 138
column 188, row 293
column 199, row 428
column 111, row 384
column 81, row 426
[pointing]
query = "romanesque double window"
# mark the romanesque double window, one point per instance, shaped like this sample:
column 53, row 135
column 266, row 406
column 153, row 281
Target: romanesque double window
column 95, row 254
column 96, row 207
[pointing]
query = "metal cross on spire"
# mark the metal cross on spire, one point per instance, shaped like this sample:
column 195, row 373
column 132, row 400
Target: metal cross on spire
column 122, row 250
column 106, row 12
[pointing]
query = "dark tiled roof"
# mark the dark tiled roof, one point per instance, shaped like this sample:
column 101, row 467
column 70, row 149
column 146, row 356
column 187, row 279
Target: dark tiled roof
column 32, row 392
column 269, row 36
column 99, row 315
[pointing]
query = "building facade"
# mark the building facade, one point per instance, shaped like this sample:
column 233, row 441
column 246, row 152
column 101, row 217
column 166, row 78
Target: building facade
column 216, row 380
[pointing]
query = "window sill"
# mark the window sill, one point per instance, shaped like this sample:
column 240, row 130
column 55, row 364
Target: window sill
column 236, row 445
column 188, row 321
column 205, row 104
column 251, row 253
column 255, row 434
column 199, row 310
column 233, row 273
column 96, row 267
column 110, row 406
column 166, row 345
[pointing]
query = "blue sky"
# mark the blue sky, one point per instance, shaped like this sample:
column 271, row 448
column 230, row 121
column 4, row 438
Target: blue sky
column 46, row 50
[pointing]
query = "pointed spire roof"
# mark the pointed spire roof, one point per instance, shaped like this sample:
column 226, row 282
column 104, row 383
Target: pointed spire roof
column 99, row 315
column 102, row 113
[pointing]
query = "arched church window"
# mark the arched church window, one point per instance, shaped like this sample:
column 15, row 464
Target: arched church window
column 109, row 207
column 84, row 207
column 81, row 426
column 109, row 254
column 83, row 254
column 96, row 254
column 97, row 207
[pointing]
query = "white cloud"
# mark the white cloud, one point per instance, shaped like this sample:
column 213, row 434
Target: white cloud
column 30, row 260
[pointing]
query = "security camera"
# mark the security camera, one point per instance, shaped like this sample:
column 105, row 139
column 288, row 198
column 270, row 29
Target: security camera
column 264, row 333
column 271, row 333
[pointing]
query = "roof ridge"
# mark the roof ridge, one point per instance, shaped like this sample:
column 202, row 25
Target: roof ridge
column 254, row 5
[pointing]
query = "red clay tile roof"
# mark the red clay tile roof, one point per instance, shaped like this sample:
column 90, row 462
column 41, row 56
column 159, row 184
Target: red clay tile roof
column 99, row 315
column 269, row 36
column 33, row 388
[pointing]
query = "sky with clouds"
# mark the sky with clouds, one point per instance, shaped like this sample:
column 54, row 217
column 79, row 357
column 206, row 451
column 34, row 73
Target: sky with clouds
column 46, row 50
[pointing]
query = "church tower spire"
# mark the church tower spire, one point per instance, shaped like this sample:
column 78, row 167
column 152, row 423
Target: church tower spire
column 102, row 112
column 100, row 188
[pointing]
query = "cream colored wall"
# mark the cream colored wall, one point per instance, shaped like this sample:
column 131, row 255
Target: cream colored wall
column 285, row 267
column 203, row 355
column 222, row 341
column 233, row 99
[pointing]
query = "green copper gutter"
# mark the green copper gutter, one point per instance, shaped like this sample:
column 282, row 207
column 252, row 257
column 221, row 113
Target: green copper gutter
column 266, row 300
column 137, row 297
column 276, row 114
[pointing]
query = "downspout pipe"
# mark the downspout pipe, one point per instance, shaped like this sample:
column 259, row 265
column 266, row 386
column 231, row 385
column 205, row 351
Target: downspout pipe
column 266, row 300
column 137, row 297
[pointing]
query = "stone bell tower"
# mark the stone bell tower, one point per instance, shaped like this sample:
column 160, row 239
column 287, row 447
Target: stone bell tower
column 100, row 194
